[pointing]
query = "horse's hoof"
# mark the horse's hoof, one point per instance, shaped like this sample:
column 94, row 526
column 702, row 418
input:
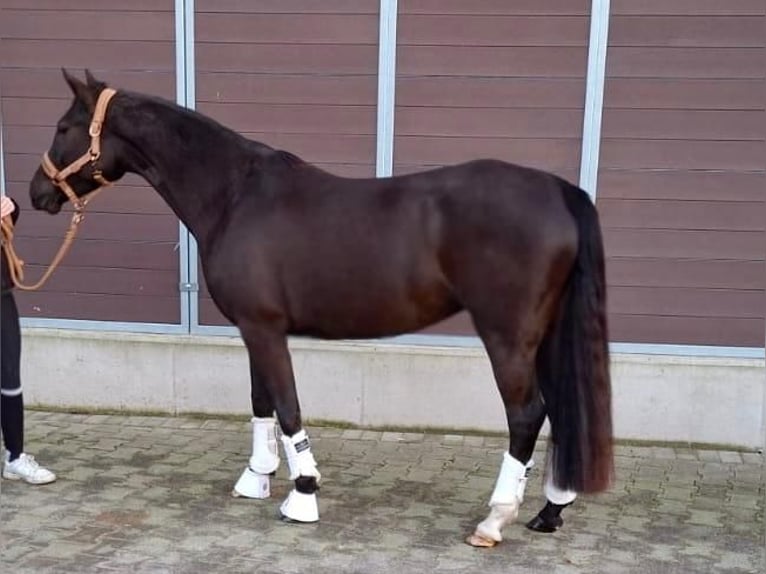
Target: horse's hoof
column 539, row 524
column 478, row 541
column 300, row 507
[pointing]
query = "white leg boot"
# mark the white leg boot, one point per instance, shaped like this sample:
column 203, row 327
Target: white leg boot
column 255, row 479
column 300, row 506
column 554, row 494
column 504, row 503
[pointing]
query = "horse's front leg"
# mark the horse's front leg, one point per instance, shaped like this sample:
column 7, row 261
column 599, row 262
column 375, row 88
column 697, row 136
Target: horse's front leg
column 255, row 479
column 272, row 369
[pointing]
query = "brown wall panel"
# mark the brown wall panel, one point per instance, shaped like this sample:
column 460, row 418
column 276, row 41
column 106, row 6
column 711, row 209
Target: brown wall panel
column 510, row 92
column 488, row 122
column 683, row 244
column 492, row 61
column 682, row 172
column 698, row 31
column 686, row 302
column 659, row 329
column 124, row 263
column 99, row 306
column 108, row 281
column 93, row 54
column 269, row 89
column 689, row 7
column 555, row 155
column 679, row 154
column 689, row 185
column 262, row 28
column 134, row 255
column 719, row 125
column 299, row 118
column 133, row 26
column 60, row 6
column 286, row 58
column 496, row 7
column 41, row 83
column 492, row 30
column 679, row 63
column 668, row 214
column 288, row 6
column 685, row 94
column 699, row 273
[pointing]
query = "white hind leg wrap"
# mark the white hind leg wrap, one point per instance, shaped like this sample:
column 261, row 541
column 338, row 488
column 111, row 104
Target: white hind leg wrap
column 264, row 460
column 556, row 495
column 300, row 506
column 505, row 499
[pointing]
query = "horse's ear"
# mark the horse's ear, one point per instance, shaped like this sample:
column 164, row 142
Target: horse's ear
column 80, row 90
column 93, row 83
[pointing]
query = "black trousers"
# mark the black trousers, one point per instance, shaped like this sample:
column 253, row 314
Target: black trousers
column 11, row 401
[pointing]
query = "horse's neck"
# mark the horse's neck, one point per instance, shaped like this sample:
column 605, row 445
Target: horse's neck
column 188, row 159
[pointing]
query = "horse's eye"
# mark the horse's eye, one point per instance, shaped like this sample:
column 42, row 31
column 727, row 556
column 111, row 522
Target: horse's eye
column 62, row 129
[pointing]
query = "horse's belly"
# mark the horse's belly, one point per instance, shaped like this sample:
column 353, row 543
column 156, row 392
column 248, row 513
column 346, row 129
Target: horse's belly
column 358, row 313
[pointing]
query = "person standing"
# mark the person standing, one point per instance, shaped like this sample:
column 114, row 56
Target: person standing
column 17, row 465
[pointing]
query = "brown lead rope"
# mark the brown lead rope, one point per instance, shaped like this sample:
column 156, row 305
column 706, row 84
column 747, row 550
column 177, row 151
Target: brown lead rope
column 16, row 264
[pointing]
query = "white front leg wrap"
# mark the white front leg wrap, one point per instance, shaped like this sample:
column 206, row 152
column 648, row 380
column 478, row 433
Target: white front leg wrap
column 254, row 481
column 265, row 457
column 300, row 506
column 299, row 457
column 505, row 500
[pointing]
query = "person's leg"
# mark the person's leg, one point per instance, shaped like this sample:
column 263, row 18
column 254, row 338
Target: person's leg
column 17, row 464
column 11, row 401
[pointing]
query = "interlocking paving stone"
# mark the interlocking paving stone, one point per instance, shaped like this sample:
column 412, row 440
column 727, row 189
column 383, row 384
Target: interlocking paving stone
column 150, row 495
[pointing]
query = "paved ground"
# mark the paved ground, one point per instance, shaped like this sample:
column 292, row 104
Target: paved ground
column 152, row 495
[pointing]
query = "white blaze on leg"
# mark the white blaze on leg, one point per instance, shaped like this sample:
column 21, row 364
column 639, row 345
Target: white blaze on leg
column 504, row 503
column 264, row 460
column 300, row 506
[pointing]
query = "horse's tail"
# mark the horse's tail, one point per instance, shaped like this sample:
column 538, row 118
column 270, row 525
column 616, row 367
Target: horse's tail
column 573, row 363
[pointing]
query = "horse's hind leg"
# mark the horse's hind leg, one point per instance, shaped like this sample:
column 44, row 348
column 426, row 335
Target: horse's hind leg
column 512, row 363
column 274, row 387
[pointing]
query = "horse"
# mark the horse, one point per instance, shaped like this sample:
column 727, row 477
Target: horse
column 288, row 249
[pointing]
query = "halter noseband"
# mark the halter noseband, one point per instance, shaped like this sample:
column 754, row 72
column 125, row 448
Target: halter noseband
column 58, row 177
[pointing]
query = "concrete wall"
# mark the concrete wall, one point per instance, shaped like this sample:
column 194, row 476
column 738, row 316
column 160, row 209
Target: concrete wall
column 656, row 397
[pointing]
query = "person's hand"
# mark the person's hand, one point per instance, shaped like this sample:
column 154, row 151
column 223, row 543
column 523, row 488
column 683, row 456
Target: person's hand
column 6, row 207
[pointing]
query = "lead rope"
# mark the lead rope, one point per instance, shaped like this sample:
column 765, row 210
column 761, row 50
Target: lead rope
column 16, row 264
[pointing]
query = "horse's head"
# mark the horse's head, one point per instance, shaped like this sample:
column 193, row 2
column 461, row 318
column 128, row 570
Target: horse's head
column 83, row 157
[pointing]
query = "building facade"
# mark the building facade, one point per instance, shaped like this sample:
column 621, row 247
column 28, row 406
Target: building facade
column 655, row 108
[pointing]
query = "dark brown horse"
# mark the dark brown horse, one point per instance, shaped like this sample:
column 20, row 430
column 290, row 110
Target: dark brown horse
column 288, row 249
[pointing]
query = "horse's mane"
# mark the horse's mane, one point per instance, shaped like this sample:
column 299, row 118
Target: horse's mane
column 288, row 158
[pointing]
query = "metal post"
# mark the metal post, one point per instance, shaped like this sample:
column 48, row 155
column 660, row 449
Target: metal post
column 384, row 163
column 594, row 96
column 185, row 96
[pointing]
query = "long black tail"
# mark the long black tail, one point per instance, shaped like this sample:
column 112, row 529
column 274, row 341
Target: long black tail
column 573, row 363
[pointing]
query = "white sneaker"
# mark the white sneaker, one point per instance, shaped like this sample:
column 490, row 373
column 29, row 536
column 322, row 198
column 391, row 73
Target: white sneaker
column 27, row 469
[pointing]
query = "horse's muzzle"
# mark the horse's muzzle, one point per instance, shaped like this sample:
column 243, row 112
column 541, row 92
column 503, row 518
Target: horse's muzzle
column 44, row 195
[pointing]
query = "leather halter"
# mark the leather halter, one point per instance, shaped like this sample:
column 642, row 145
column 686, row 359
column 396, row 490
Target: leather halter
column 58, row 179
column 91, row 156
